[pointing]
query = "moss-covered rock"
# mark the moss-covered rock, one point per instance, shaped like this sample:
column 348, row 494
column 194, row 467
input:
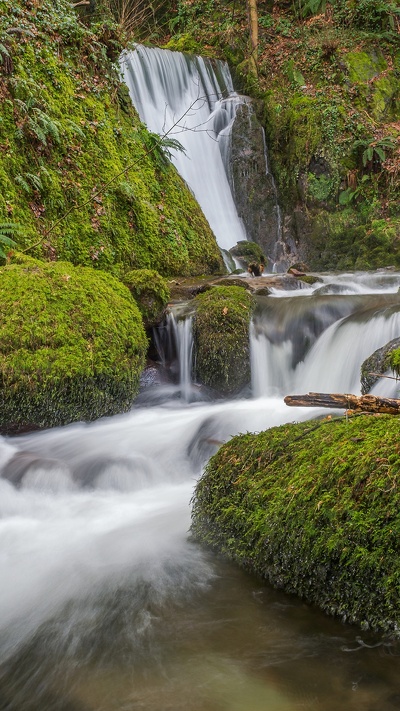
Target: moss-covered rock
column 72, row 345
column 395, row 361
column 151, row 293
column 314, row 509
column 221, row 335
column 377, row 363
column 247, row 252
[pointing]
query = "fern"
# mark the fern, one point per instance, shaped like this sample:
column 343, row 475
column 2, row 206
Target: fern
column 20, row 180
column 3, row 52
column 7, row 229
column 312, row 7
column 75, row 129
column 30, row 180
column 161, row 148
column 35, row 181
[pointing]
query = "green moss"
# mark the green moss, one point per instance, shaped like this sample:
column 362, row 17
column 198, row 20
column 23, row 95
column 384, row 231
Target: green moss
column 395, row 361
column 221, row 333
column 314, row 509
column 151, row 293
column 248, row 252
column 183, row 43
column 72, row 345
column 385, row 97
column 350, row 239
column 364, row 66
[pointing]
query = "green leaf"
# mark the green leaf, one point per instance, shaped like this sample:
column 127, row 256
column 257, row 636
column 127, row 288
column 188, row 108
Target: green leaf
column 346, row 196
column 380, row 153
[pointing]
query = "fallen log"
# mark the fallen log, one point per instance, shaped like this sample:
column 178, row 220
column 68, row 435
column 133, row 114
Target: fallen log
column 362, row 403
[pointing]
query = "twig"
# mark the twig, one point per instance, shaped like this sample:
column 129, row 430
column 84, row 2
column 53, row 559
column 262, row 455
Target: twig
column 379, row 375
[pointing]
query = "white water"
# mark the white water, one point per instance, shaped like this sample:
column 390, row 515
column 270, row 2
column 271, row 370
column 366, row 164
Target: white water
column 186, row 98
column 102, row 510
column 331, row 365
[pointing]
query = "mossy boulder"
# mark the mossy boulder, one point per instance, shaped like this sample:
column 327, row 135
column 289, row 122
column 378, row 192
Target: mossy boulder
column 151, row 293
column 314, row 509
column 376, row 84
column 72, row 345
column 221, row 336
column 248, row 252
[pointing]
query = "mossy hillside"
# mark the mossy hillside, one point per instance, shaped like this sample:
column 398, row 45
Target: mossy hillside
column 221, row 337
column 328, row 88
column 313, row 508
column 67, row 129
column 151, row 293
column 72, row 345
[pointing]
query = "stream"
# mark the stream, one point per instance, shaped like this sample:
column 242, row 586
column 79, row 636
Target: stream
column 106, row 604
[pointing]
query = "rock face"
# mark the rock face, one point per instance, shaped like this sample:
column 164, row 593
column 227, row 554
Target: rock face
column 378, row 362
column 254, row 188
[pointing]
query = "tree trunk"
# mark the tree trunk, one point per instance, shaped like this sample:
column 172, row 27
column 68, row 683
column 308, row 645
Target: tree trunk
column 364, row 403
column 253, row 26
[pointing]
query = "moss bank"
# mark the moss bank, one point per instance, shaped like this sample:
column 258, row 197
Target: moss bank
column 67, row 129
column 221, row 334
column 314, row 509
column 72, row 345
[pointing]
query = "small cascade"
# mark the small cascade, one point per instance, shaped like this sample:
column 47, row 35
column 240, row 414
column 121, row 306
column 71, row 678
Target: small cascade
column 192, row 100
column 173, row 341
column 183, row 336
column 333, row 364
column 318, row 343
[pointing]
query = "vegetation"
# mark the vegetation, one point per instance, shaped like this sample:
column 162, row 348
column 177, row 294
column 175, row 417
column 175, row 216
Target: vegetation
column 221, row 336
column 150, row 292
column 314, row 509
column 328, row 87
column 72, row 345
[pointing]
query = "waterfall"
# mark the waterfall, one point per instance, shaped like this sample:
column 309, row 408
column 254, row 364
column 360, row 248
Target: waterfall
column 191, row 99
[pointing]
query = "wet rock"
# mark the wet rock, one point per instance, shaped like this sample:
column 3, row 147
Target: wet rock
column 24, row 463
column 379, row 363
column 252, row 184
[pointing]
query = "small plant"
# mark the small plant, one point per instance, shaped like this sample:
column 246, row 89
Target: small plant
column 374, row 152
column 161, row 148
column 37, row 124
column 351, row 194
column 310, row 7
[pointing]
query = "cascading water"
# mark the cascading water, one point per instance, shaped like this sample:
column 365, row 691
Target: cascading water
column 106, row 603
column 192, row 100
column 182, row 335
column 318, row 343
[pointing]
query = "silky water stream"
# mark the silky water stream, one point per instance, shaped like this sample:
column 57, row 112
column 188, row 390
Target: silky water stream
column 105, row 602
